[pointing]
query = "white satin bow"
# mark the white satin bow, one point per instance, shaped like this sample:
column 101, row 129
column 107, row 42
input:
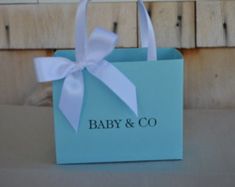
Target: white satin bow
column 100, row 44
column 90, row 54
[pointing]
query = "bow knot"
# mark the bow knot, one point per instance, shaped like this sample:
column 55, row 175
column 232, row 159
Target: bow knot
column 100, row 44
column 79, row 66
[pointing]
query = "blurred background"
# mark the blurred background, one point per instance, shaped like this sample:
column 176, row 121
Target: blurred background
column 203, row 30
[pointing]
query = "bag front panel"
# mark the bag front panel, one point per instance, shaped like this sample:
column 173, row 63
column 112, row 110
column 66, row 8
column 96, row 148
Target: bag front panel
column 109, row 131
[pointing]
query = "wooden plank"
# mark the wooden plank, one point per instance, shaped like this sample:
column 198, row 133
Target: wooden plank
column 17, row 1
column 4, row 28
column 75, row 1
column 173, row 23
column 210, row 78
column 119, row 17
column 229, row 21
column 17, row 76
column 52, row 25
column 210, row 30
column 41, row 26
column 215, row 23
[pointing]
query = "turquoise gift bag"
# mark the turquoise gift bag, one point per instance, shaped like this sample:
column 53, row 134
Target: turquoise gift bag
column 109, row 131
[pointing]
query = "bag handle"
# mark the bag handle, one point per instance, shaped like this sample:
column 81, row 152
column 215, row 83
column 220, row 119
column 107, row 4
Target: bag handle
column 147, row 34
column 145, row 26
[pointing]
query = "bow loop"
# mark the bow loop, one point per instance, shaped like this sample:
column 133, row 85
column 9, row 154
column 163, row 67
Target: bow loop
column 52, row 68
column 100, row 44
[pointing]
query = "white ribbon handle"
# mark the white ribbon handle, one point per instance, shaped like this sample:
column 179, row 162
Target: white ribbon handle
column 145, row 25
column 147, row 34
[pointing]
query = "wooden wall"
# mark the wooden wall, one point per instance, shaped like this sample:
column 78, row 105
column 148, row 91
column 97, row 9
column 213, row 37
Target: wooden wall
column 204, row 30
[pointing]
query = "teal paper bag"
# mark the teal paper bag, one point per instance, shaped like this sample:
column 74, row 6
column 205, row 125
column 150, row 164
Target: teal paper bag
column 109, row 131
column 114, row 105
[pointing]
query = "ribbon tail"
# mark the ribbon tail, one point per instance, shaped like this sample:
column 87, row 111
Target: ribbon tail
column 72, row 98
column 117, row 82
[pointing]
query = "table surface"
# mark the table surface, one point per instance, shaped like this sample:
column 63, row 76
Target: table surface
column 27, row 155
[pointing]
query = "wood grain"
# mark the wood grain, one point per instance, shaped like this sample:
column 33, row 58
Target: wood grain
column 118, row 17
column 71, row 1
column 17, row 1
column 75, row 1
column 210, row 78
column 52, row 25
column 4, row 28
column 215, row 23
column 17, row 76
column 173, row 23
column 49, row 26
column 209, row 73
